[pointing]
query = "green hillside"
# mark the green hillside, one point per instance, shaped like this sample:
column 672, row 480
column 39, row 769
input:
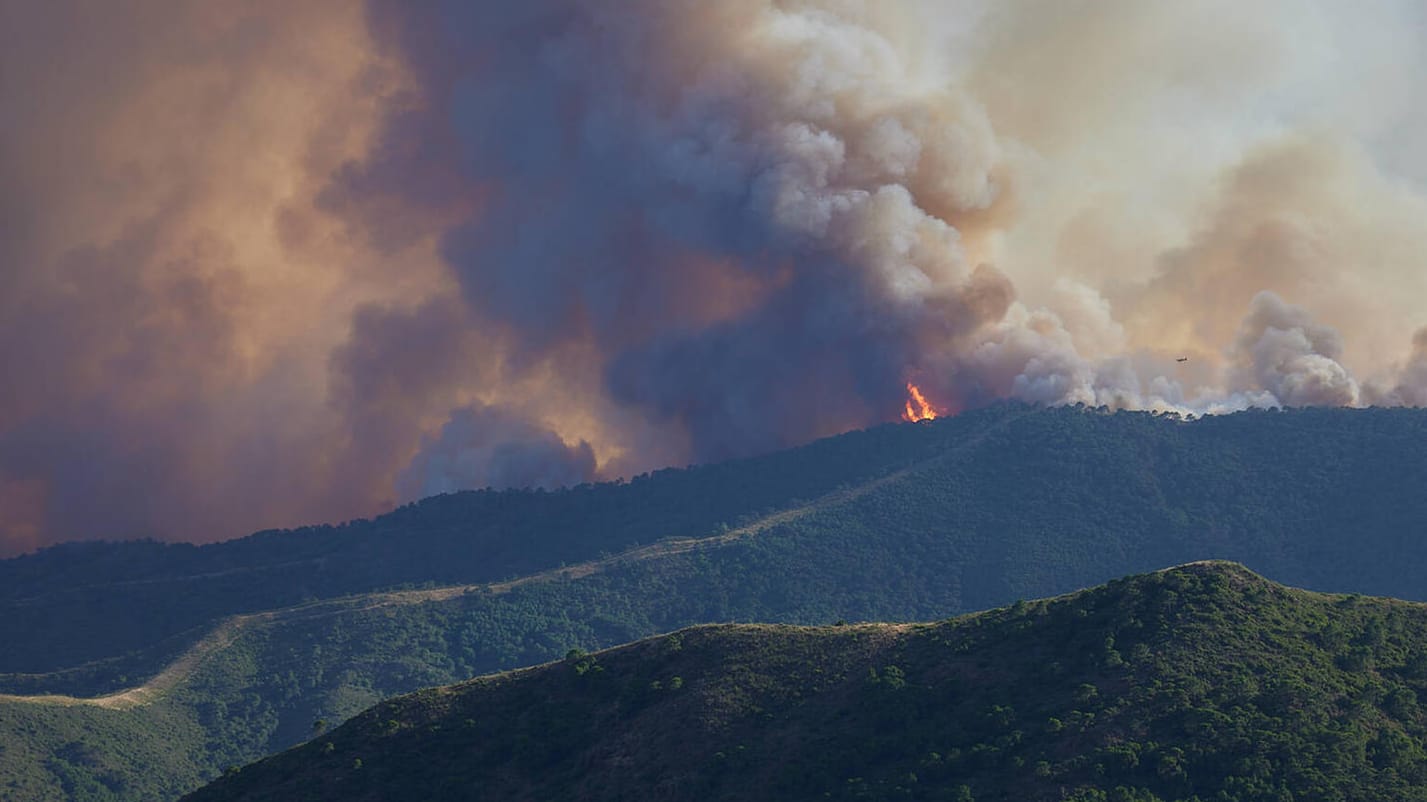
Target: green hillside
column 952, row 517
column 1004, row 502
column 101, row 610
column 1201, row 682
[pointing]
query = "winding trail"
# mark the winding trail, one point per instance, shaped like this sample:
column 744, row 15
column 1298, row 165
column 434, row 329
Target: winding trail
column 228, row 629
column 172, row 674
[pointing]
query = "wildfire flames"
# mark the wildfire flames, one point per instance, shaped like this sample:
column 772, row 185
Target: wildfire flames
column 917, row 407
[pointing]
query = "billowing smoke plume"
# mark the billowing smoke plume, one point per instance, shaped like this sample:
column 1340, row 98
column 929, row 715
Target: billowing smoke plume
column 1410, row 388
column 284, row 261
column 489, row 447
column 1294, row 359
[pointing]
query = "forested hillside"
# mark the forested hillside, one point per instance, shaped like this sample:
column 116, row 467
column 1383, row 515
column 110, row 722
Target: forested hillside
column 1201, row 682
column 951, row 517
column 83, row 602
column 1020, row 501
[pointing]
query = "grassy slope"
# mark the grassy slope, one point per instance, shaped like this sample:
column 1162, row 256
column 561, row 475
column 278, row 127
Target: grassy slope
column 1204, row 681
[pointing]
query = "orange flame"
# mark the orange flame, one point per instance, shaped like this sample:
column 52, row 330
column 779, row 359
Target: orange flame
column 917, row 407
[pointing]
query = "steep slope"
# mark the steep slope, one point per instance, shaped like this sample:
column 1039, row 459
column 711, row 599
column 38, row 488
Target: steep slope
column 1200, row 682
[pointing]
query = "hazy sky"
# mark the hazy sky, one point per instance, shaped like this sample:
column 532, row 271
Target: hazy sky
column 270, row 263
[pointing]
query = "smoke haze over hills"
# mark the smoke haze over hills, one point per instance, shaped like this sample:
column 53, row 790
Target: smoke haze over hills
column 268, row 263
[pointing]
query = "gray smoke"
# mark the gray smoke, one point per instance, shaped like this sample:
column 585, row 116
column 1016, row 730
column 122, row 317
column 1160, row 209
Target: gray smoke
column 1282, row 350
column 483, row 447
column 276, row 262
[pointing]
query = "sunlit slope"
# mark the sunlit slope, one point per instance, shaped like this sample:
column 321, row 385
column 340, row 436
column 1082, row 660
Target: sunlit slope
column 1200, row 682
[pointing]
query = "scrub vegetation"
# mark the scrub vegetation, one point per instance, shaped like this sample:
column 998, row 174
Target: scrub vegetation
column 900, row 523
column 1203, row 682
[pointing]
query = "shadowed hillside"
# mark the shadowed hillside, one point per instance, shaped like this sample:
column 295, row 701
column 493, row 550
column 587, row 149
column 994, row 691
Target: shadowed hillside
column 1200, row 682
column 951, row 517
column 1014, row 502
column 84, row 602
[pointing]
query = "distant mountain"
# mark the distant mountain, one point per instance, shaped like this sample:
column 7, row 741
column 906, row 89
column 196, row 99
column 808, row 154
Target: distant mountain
column 1201, row 682
column 897, row 523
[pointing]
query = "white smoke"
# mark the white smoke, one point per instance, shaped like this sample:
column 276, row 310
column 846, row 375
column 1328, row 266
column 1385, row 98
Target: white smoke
column 1282, row 350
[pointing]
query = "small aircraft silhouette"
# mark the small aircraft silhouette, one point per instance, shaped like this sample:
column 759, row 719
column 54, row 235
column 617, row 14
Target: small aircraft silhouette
column 1182, row 359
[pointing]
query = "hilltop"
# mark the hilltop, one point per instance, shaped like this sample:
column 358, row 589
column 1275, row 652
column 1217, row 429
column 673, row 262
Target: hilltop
column 1204, row 681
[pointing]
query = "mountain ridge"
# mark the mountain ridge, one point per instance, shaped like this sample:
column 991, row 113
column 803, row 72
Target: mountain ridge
column 450, row 540
column 465, row 538
column 221, row 633
column 1199, row 681
column 1050, row 502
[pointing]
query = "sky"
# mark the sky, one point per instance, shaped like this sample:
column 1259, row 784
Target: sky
column 267, row 263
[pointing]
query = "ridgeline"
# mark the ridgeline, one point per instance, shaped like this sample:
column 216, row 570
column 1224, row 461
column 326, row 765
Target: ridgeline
column 146, row 669
column 1200, row 682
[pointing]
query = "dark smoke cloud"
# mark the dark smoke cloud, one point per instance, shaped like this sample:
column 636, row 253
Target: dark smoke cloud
column 279, row 262
column 755, row 264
